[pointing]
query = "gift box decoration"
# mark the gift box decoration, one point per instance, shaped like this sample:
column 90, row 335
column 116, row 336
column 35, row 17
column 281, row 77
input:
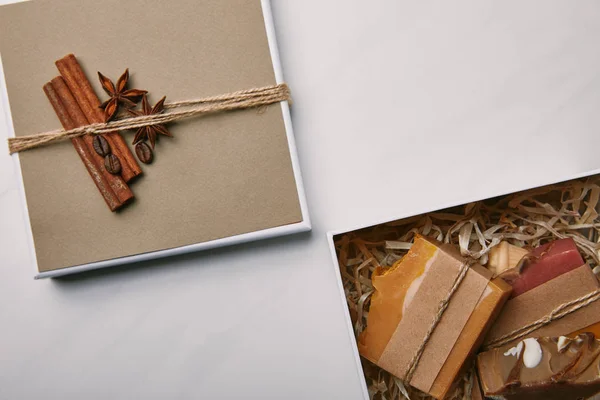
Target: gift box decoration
column 176, row 134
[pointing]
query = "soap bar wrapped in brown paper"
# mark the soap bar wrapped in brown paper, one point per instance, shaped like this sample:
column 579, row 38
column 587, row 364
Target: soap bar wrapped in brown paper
column 541, row 301
column 405, row 304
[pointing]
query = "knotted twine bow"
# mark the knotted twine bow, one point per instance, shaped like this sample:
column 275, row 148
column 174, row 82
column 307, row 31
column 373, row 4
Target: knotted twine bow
column 176, row 111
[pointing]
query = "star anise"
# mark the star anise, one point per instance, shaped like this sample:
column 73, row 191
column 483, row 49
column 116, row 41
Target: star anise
column 118, row 95
column 152, row 131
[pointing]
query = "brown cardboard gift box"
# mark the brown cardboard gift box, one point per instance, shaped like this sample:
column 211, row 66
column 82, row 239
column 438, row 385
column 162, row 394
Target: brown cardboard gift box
column 221, row 180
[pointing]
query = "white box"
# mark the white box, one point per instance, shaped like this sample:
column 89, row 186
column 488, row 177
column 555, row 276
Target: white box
column 331, row 240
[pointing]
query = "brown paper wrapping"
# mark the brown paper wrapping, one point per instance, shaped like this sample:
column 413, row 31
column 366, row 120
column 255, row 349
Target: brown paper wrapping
column 540, row 301
column 437, row 282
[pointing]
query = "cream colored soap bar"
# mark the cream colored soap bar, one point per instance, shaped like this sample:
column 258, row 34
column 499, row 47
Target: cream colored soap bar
column 505, row 256
column 398, row 288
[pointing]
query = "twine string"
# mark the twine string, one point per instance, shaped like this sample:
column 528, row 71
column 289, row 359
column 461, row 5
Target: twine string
column 176, row 111
column 559, row 312
column 414, row 362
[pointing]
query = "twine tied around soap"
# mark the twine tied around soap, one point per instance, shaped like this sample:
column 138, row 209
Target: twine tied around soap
column 175, row 111
column 414, row 362
column 559, row 312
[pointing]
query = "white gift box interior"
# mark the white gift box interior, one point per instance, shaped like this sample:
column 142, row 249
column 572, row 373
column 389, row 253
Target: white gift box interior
column 580, row 192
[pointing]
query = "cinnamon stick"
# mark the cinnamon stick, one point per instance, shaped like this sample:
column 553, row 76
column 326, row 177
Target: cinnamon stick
column 70, row 115
column 101, row 183
column 89, row 104
column 116, row 182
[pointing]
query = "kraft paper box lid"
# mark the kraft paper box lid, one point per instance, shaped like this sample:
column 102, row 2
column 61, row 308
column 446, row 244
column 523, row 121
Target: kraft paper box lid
column 220, row 176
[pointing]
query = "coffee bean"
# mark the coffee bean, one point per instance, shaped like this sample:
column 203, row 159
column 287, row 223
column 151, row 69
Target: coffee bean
column 112, row 164
column 101, row 146
column 144, row 152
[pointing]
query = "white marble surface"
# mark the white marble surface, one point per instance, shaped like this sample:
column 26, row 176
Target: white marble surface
column 468, row 98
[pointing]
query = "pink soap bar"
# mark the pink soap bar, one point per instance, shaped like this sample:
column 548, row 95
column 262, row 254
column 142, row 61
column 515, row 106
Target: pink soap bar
column 543, row 264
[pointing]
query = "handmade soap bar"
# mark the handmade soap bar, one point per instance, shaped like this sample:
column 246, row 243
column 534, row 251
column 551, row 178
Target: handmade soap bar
column 487, row 309
column 504, row 257
column 405, row 302
column 541, row 301
column 543, row 264
column 543, row 368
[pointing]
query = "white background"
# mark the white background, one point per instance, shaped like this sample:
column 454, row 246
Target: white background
column 399, row 106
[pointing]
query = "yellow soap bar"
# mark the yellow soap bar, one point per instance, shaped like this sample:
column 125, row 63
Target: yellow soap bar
column 394, row 291
column 387, row 303
column 489, row 306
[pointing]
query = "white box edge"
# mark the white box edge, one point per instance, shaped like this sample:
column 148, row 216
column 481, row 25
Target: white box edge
column 355, row 353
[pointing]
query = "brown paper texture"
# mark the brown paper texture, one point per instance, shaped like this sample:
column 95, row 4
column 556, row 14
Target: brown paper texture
column 540, row 301
column 411, row 330
column 220, row 176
